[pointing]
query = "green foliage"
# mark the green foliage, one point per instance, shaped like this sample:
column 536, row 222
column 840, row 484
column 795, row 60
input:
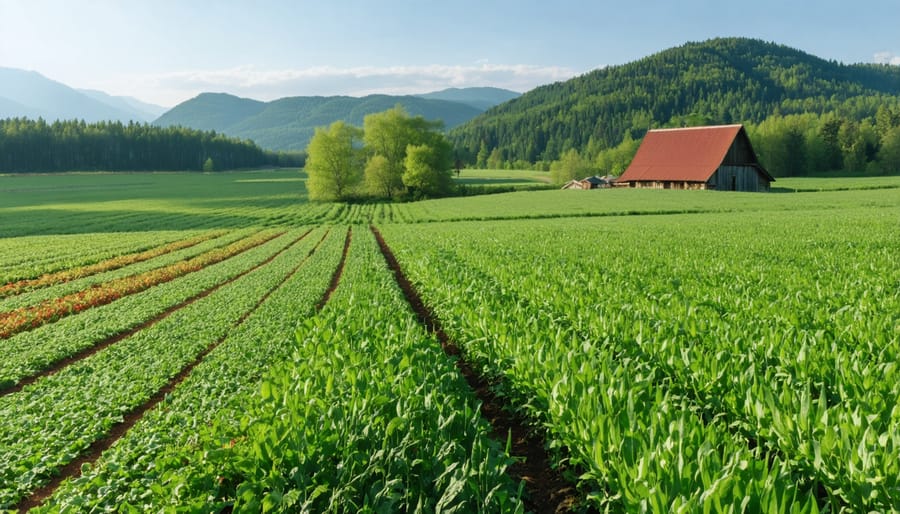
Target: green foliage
column 731, row 80
column 388, row 136
column 614, row 161
column 569, row 166
column 335, row 162
column 428, row 170
column 209, row 165
column 38, row 146
column 889, row 155
column 809, row 144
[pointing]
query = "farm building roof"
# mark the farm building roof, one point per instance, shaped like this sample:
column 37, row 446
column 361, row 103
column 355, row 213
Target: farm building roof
column 683, row 154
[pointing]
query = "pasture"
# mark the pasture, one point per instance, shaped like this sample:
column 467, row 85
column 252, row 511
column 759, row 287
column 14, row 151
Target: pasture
column 215, row 342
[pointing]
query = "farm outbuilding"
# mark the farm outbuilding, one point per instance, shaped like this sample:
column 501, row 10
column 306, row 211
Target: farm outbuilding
column 718, row 157
column 594, row 182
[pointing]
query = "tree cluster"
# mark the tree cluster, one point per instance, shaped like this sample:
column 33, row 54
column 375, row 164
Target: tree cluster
column 721, row 81
column 394, row 155
column 37, row 146
column 807, row 144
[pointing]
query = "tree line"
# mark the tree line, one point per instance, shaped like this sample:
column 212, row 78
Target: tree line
column 38, row 146
column 392, row 156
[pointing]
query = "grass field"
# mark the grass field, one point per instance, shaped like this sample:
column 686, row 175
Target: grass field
column 216, row 342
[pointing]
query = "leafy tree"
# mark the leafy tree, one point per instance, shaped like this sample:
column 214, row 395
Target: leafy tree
column 208, row 165
column 389, row 134
column 570, row 166
column 495, row 160
column 482, row 157
column 889, row 154
column 615, row 160
column 379, row 178
column 334, row 162
column 428, row 168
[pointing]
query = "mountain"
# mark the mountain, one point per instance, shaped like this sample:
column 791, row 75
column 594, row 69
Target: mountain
column 727, row 80
column 142, row 110
column 289, row 123
column 481, row 98
column 30, row 94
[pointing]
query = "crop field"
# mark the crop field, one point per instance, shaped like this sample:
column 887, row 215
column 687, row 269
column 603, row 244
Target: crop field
column 187, row 342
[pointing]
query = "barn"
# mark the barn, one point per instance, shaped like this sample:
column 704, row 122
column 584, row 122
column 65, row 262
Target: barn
column 717, row 157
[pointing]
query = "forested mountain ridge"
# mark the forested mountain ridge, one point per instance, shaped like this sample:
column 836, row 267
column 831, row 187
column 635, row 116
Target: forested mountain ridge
column 288, row 123
column 729, row 80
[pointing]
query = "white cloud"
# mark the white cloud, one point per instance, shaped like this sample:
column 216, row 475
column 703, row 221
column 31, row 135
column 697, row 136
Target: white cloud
column 887, row 58
column 248, row 81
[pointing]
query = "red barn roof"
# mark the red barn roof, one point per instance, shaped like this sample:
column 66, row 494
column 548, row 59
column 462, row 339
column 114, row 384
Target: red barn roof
column 684, row 154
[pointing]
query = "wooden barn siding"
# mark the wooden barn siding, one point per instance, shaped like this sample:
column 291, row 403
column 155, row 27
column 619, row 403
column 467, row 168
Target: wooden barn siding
column 739, row 153
column 746, row 178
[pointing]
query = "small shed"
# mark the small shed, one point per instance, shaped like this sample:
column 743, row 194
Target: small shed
column 593, row 182
column 718, row 157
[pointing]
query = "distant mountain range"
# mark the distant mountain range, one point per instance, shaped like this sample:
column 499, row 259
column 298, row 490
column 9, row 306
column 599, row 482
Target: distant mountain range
column 289, row 123
column 283, row 124
column 29, row 94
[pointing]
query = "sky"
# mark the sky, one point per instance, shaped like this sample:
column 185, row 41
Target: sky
column 168, row 51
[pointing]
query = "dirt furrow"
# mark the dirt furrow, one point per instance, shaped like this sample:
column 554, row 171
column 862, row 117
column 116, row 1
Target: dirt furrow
column 336, row 277
column 547, row 490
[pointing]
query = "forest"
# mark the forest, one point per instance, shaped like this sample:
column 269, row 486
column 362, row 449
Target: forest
column 781, row 94
column 36, row 146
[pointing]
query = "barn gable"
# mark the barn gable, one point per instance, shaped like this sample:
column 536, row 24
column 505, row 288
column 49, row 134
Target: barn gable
column 718, row 157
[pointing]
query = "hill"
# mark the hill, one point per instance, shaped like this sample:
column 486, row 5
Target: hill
column 482, row 98
column 289, row 123
column 731, row 80
column 28, row 94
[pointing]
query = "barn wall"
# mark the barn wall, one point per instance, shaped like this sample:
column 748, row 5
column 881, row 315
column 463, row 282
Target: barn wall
column 738, row 178
column 740, row 152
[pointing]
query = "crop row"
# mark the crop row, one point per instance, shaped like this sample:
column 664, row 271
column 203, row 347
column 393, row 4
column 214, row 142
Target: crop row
column 50, row 292
column 25, row 318
column 774, row 348
column 367, row 415
column 130, row 473
column 31, row 352
column 69, row 274
column 50, row 422
column 32, row 256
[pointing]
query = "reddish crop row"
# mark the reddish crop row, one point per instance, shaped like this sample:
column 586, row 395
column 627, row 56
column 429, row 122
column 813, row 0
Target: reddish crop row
column 25, row 318
column 49, row 279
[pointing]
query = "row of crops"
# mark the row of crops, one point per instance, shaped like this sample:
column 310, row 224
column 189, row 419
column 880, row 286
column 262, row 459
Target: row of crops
column 688, row 363
column 248, row 392
column 58, row 417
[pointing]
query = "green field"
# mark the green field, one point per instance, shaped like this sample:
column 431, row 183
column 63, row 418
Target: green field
column 214, row 342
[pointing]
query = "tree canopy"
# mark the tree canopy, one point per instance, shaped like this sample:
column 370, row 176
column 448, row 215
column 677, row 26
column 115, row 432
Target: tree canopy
column 335, row 162
column 398, row 155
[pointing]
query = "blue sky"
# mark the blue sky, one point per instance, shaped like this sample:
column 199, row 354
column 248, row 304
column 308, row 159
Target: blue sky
column 167, row 51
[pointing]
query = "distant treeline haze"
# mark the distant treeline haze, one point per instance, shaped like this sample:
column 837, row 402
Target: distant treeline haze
column 37, row 146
